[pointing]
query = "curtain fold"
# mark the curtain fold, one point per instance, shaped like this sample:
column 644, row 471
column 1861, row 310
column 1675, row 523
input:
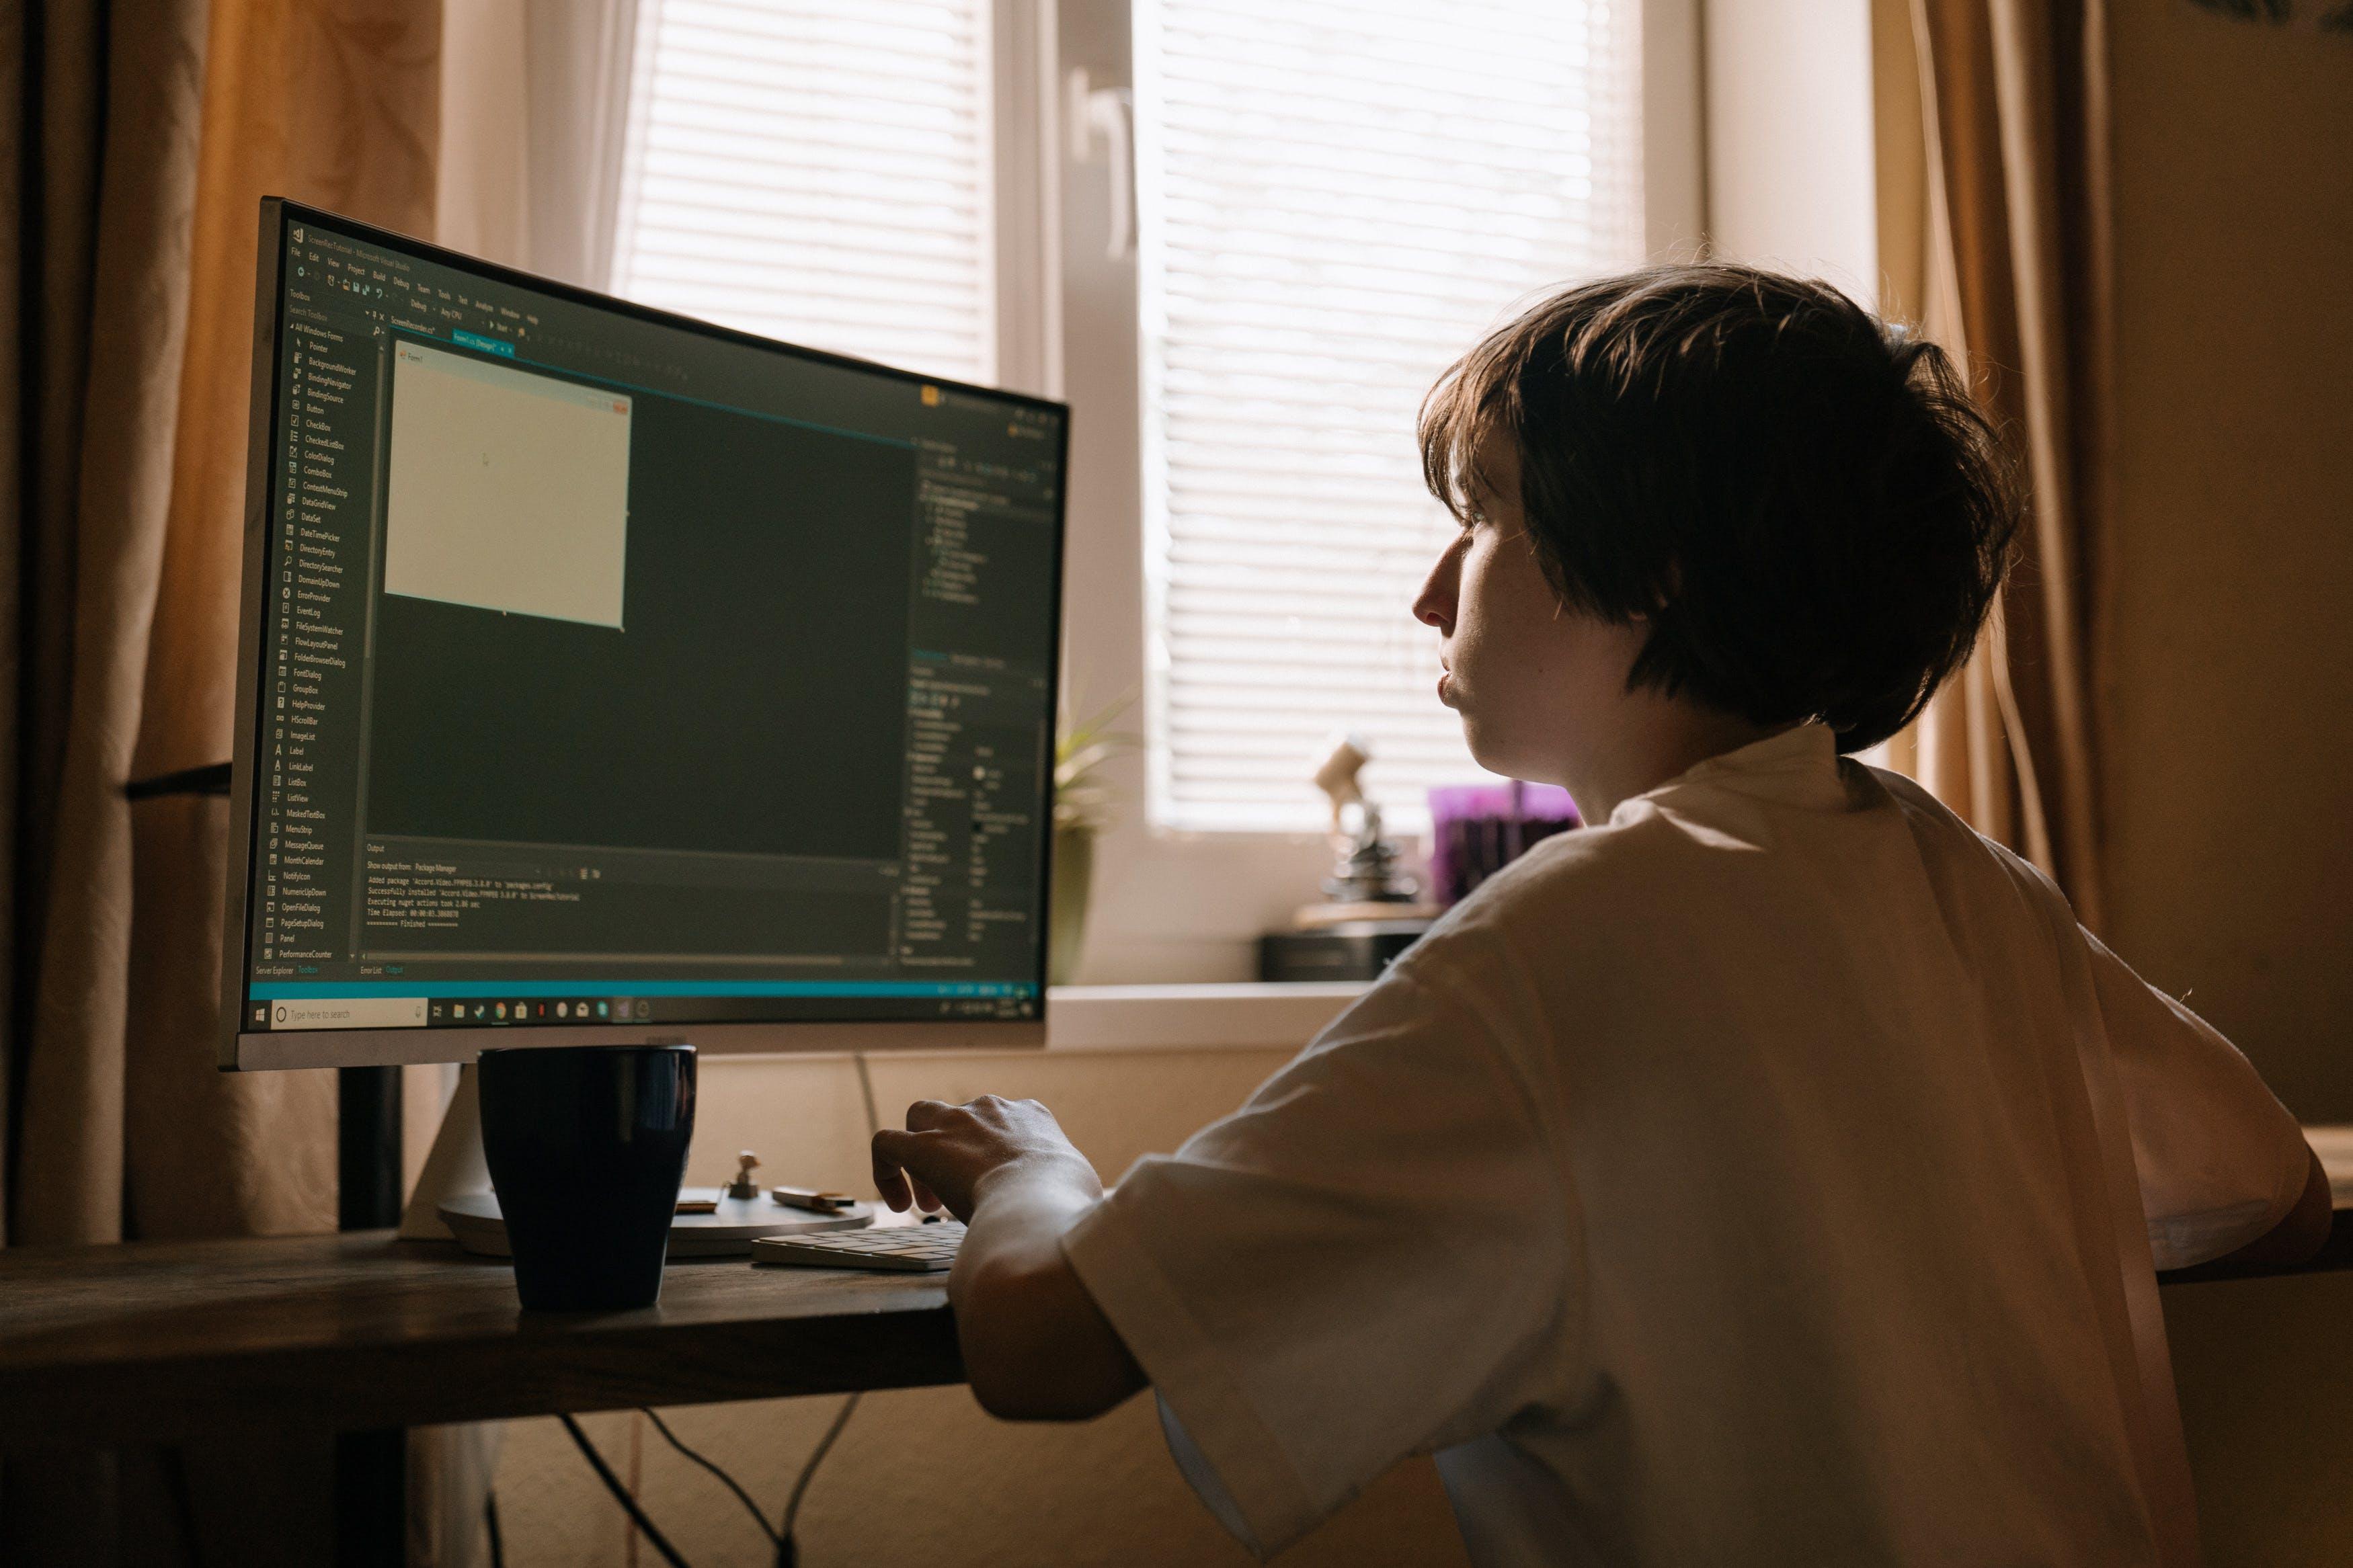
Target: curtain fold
column 103, row 549
column 334, row 101
column 147, row 132
column 2007, row 227
column 55, row 70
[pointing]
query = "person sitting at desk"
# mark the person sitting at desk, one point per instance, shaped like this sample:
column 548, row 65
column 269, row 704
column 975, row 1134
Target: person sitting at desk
column 1773, row 1172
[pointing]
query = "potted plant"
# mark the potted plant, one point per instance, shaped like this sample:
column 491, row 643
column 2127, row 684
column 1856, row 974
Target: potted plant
column 1084, row 798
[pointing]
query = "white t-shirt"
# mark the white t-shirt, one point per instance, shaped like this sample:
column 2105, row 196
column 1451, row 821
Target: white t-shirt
column 1743, row 1180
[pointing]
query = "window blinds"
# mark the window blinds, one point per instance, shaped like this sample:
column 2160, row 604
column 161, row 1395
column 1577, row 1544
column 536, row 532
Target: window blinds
column 817, row 171
column 1337, row 198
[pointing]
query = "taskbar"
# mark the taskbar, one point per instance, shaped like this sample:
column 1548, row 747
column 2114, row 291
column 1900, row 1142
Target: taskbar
column 474, row 1005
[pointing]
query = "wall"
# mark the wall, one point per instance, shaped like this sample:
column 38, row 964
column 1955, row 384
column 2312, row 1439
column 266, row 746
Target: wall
column 2226, row 662
column 922, row 1475
column 1789, row 163
column 2228, row 647
column 2264, row 1388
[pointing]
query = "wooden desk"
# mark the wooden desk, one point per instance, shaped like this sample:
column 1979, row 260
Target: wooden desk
column 160, row 1341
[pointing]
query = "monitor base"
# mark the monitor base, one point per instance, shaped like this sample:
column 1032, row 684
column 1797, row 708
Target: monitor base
column 728, row 1231
column 454, row 1168
column 456, row 1180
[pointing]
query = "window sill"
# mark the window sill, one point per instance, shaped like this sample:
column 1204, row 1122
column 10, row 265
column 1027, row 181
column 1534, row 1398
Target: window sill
column 1252, row 1016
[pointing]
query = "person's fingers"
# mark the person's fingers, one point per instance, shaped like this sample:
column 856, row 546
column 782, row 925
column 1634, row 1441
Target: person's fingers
column 890, row 1169
column 926, row 1114
column 925, row 1199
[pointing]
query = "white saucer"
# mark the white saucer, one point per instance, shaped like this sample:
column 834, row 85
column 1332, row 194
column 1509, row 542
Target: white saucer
column 474, row 1220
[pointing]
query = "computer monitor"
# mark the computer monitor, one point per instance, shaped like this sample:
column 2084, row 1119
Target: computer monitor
column 608, row 676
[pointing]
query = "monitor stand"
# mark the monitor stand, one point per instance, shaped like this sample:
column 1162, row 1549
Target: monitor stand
column 457, row 1177
column 454, row 1168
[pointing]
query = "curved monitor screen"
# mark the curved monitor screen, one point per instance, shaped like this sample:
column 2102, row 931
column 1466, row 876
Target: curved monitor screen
column 611, row 667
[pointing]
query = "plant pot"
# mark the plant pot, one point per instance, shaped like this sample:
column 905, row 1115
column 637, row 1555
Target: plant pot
column 1066, row 921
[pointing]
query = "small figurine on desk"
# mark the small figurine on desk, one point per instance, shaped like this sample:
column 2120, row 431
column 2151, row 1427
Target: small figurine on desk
column 1372, row 909
column 743, row 1186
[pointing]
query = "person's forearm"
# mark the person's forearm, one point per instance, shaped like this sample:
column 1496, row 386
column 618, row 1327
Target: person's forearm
column 1035, row 1346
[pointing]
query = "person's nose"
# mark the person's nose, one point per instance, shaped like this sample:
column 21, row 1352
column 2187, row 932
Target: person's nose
column 1434, row 605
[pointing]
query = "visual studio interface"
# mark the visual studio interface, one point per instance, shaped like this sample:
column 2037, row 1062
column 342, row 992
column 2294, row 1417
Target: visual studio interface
column 614, row 669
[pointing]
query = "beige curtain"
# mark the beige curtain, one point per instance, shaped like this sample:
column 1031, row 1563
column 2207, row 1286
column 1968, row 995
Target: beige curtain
column 132, row 252
column 111, row 99
column 1993, row 234
column 125, row 1127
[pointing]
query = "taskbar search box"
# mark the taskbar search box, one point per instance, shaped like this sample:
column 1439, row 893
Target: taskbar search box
column 344, row 1013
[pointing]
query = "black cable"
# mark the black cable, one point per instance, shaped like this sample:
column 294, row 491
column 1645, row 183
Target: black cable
column 621, row 1495
column 788, row 1549
column 490, row 1523
column 726, row 1479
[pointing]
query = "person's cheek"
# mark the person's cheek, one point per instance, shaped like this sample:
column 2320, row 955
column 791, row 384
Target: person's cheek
column 1473, row 655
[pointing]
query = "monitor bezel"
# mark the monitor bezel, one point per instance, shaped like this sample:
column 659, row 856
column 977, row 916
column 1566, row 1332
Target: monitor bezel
column 244, row 1051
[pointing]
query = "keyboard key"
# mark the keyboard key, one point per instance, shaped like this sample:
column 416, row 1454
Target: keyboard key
column 906, row 1249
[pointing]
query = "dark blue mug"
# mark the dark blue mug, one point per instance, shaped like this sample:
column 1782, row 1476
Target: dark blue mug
column 587, row 1146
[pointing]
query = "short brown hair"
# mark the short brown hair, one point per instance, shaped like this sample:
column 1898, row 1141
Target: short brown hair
column 1805, row 504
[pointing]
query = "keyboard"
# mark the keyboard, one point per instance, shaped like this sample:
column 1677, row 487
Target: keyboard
column 901, row 1249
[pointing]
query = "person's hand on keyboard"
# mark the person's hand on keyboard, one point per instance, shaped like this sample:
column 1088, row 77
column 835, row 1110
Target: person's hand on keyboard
column 949, row 1151
column 1035, row 1344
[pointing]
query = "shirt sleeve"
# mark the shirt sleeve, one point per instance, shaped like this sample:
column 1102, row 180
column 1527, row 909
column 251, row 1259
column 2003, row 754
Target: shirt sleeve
column 2221, row 1161
column 1369, row 1260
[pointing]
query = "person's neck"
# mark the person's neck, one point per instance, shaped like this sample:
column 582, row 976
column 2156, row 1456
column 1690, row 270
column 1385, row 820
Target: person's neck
column 1652, row 740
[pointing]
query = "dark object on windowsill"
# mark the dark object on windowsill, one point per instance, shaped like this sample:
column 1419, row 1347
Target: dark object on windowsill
column 1346, row 950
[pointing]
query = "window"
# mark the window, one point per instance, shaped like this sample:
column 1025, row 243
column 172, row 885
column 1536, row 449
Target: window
column 1332, row 200
column 818, row 170
column 1336, row 197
